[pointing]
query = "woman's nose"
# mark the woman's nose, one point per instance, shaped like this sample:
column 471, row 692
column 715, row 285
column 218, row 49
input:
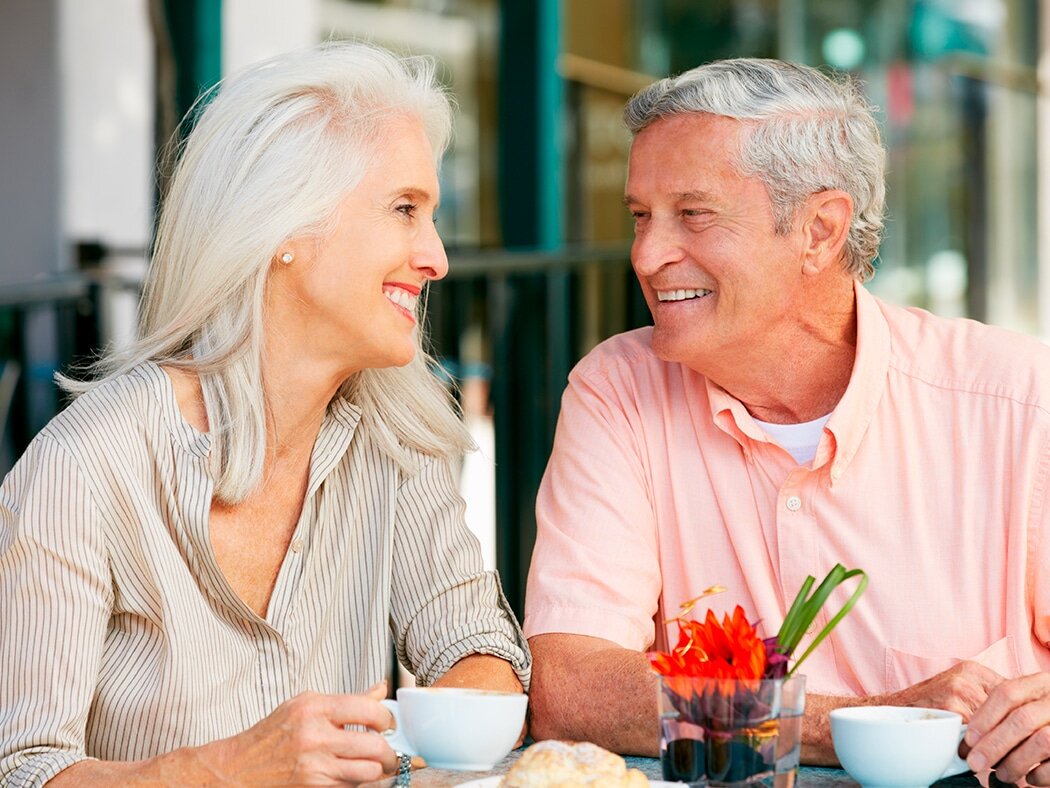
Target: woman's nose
column 430, row 258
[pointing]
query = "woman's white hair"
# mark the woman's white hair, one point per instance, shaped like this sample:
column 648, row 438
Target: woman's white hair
column 805, row 133
column 270, row 158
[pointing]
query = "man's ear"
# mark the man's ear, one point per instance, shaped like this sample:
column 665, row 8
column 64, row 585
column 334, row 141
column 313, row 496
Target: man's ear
column 826, row 218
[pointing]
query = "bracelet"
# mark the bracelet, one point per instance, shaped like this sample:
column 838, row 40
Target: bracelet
column 404, row 769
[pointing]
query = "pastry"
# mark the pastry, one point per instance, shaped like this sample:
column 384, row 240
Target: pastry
column 560, row 764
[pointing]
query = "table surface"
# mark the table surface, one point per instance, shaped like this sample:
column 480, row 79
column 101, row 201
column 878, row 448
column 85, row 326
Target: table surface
column 814, row 776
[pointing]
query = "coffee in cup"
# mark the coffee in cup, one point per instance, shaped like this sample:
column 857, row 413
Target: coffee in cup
column 452, row 728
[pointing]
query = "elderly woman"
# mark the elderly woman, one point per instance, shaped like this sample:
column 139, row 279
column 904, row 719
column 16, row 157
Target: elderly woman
column 203, row 557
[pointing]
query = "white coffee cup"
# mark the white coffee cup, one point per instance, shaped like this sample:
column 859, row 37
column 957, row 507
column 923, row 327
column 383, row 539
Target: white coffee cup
column 450, row 728
column 897, row 746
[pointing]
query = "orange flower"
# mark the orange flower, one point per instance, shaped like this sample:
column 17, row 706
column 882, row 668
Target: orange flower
column 731, row 649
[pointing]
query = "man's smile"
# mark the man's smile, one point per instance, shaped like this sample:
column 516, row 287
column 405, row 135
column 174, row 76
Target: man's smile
column 681, row 295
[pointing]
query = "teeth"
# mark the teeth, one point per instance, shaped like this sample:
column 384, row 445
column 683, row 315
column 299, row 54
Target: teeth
column 402, row 298
column 681, row 295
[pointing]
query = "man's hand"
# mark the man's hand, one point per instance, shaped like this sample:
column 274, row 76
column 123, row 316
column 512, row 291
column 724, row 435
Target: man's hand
column 962, row 688
column 1011, row 731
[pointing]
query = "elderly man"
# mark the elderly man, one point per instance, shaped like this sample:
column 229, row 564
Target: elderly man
column 777, row 419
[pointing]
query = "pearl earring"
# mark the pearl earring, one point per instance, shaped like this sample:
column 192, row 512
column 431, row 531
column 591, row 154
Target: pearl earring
column 287, row 257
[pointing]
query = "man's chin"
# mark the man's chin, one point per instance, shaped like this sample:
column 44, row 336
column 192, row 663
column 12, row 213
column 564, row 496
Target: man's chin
column 667, row 348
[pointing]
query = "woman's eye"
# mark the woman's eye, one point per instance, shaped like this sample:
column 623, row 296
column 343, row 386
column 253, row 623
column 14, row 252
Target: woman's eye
column 408, row 209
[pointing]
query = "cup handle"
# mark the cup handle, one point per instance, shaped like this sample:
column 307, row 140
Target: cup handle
column 394, row 737
column 957, row 764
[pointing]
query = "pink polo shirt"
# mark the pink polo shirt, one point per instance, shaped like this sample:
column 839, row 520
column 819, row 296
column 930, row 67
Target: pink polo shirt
column 931, row 475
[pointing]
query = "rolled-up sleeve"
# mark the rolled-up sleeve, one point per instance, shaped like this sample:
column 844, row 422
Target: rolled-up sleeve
column 55, row 600
column 444, row 606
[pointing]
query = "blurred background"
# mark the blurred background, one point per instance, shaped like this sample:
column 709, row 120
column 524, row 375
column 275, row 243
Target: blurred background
column 531, row 192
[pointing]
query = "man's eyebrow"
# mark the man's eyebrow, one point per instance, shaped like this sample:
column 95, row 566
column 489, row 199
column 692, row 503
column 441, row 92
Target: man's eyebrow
column 693, row 196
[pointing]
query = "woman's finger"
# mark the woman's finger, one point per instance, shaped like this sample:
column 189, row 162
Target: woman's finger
column 357, row 710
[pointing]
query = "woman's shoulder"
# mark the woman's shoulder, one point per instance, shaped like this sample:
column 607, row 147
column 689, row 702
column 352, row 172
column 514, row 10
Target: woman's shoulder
column 114, row 412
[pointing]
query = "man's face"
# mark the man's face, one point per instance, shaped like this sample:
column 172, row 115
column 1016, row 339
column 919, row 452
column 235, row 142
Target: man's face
column 719, row 281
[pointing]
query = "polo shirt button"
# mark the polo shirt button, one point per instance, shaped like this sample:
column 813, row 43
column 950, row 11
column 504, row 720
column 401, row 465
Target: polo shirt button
column 794, row 503
column 297, row 545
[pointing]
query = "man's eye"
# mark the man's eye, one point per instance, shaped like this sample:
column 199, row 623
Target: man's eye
column 695, row 213
column 639, row 215
column 407, row 208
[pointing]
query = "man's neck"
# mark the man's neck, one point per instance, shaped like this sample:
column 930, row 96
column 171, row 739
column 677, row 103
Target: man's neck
column 801, row 376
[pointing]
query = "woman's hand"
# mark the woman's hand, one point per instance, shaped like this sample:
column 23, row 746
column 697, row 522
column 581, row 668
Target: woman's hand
column 303, row 742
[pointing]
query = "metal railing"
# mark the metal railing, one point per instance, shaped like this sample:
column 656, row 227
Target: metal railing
column 519, row 319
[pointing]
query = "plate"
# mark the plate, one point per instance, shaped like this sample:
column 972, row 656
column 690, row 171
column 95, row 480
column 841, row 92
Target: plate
column 492, row 782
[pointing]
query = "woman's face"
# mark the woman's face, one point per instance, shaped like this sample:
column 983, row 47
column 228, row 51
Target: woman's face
column 350, row 298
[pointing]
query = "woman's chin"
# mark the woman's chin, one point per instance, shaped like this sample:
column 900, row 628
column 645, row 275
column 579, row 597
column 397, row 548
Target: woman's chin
column 398, row 359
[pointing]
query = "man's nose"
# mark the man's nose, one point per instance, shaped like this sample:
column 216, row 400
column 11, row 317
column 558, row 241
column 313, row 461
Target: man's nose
column 655, row 247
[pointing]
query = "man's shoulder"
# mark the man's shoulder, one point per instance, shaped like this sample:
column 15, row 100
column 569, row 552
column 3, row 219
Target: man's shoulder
column 629, row 352
column 967, row 355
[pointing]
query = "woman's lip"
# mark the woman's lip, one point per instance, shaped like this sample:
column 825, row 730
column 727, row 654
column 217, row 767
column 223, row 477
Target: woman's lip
column 403, row 311
column 413, row 289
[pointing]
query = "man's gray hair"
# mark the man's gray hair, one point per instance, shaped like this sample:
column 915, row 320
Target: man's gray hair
column 805, row 133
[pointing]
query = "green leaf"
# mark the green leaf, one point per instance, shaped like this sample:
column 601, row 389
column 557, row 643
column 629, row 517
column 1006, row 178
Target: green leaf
column 786, row 637
column 861, row 585
column 804, row 609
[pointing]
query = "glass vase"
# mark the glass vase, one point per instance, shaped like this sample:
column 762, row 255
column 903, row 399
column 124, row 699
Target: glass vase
column 731, row 732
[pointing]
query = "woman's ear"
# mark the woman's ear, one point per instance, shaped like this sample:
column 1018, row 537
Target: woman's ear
column 294, row 252
column 825, row 226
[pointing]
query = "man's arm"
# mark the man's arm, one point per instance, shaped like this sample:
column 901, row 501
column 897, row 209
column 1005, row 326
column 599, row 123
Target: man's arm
column 590, row 689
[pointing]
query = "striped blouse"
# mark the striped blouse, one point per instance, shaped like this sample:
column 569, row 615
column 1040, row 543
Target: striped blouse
column 120, row 638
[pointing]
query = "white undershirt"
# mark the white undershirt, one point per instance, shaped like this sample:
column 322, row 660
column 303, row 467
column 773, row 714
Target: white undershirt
column 800, row 440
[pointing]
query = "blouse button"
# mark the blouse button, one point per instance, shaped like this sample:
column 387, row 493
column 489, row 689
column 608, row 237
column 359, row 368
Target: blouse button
column 297, row 545
column 794, row 503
